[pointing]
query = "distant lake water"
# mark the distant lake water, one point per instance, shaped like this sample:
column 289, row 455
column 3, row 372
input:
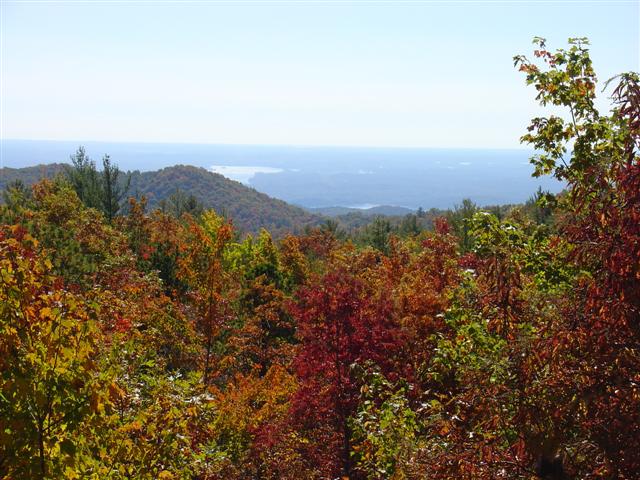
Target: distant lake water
column 325, row 176
column 362, row 206
column 242, row 173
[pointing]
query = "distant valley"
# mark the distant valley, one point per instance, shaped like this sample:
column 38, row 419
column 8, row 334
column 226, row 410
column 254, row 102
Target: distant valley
column 325, row 177
column 369, row 211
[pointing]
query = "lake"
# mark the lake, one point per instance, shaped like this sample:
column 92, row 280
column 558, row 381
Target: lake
column 325, row 176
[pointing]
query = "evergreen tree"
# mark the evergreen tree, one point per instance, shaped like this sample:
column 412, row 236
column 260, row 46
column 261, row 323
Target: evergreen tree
column 104, row 190
column 112, row 190
column 459, row 220
column 378, row 234
column 83, row 177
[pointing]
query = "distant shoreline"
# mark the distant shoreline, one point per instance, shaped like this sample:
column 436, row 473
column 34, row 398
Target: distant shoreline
column 321, row 177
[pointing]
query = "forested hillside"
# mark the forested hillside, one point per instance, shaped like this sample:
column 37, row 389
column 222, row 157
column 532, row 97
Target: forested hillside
column 385, row 210
column 29, row 175
column 249, row 209
column 142, row 343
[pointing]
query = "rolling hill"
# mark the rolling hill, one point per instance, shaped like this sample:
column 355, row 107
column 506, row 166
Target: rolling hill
column 249, row 209
column 380, row 210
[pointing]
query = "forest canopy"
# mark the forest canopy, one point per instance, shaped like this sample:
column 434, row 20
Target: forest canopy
column 160, row 344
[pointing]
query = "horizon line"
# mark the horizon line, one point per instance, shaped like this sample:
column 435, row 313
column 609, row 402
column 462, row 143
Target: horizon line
column 275, row 145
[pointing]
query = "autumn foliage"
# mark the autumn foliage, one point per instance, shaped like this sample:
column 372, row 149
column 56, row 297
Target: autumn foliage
column 163, row 345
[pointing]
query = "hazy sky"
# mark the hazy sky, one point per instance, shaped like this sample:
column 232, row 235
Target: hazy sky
column 376, row 73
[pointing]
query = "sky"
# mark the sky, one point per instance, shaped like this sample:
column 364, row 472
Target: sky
column 363, row 73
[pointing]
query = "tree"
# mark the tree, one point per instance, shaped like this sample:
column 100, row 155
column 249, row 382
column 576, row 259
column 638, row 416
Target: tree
column 409, row 225
column 180, row 203
column 201, row 267
column 385, row 428
column 51, row 390
column 459, row 220
column 541, row 207
column 17, row 199
column 113, row 190
column 599, row 340
column 378, row 234
column 83, row 177
column 339, row 324
column 103, row 190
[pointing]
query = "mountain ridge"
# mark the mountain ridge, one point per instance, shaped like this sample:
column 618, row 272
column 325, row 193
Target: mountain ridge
column 378, row 210
column 249, row 209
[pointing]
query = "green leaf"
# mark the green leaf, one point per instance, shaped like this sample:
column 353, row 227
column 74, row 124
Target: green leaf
column 68, row 447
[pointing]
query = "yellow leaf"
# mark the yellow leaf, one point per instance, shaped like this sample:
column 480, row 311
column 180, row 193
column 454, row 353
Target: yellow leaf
column 70, row 473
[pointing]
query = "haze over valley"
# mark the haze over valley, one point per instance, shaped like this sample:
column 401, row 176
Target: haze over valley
column 320, row 177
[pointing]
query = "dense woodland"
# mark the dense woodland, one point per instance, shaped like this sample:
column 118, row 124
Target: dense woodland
column 140, row 343
column 180, row 189
column 185, row 189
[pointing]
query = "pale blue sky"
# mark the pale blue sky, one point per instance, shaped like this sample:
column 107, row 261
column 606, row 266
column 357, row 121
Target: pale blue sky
column 432, row 74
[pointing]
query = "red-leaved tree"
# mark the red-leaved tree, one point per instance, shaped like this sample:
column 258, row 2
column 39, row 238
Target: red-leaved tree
column 340, row 324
